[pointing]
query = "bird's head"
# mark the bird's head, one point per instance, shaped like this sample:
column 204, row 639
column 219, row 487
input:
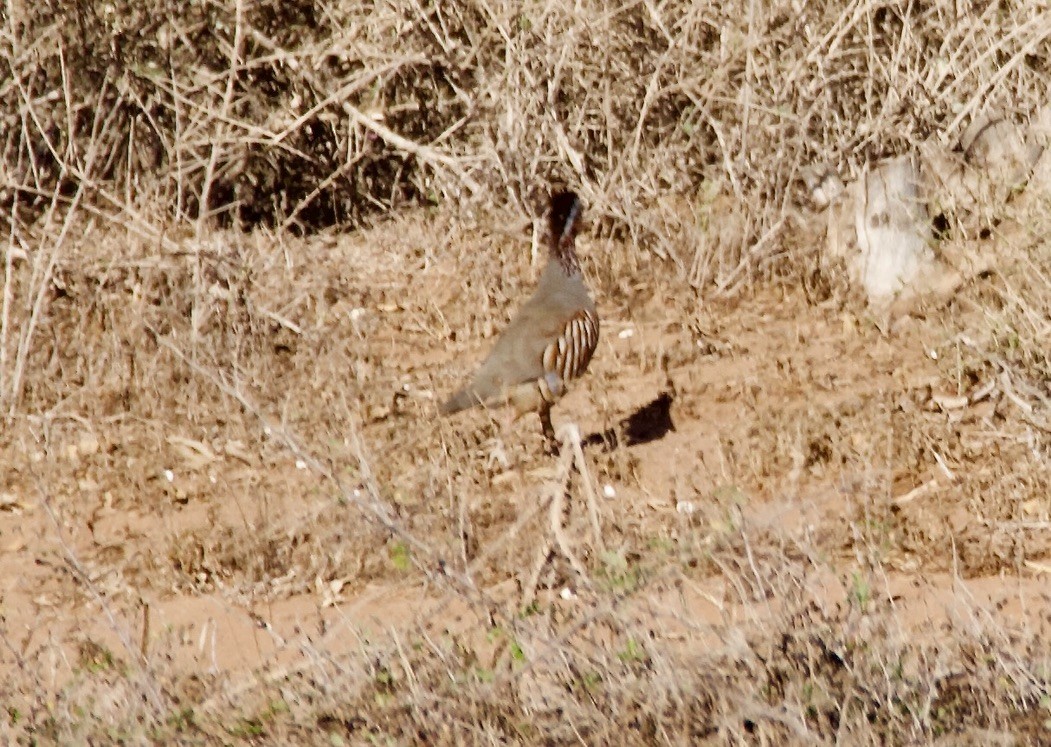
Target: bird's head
column 565, row 217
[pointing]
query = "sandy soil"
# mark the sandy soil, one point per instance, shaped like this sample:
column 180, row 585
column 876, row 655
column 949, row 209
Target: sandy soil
column 157, row 529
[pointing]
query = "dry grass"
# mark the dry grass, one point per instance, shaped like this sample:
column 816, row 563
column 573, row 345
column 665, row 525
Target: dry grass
column 229, row 513
column 306, row 114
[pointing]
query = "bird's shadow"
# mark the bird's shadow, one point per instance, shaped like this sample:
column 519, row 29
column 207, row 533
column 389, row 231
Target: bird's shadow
column 648, row 423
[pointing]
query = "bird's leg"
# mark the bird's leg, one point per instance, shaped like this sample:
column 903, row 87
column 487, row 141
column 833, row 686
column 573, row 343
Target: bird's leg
column 545, row 423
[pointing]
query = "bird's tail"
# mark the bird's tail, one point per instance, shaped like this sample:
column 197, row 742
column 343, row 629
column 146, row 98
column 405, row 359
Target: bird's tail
column 462, row 400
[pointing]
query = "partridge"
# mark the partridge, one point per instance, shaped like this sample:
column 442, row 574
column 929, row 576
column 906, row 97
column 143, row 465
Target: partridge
column 550, row 341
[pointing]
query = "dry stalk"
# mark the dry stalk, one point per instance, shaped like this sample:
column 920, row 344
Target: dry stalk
column 572, row 453
column 47, row 261
column 219, row 145
column 571, row 439
column 152, row 691
column 5, row 309
column 422, row 556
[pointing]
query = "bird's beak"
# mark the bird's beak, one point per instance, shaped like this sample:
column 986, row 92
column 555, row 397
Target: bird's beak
column 571, row 219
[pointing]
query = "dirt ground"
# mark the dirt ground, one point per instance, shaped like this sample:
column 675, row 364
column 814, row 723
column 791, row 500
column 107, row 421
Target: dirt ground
column 229, row 507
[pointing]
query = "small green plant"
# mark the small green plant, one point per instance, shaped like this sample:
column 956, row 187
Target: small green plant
column 383, row 685
column 276, row 708
column 182, row 719
column 384, row 680
column 246, row 728
column 251, row 727
column 662, row 545
column 632, row 652
column 400, row 556
column 96, row 658
column 618, row 573
column 860, row 592
column 517, row 654
column 590, row 681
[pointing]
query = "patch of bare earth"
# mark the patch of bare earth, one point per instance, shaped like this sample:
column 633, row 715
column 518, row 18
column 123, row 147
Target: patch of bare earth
column 229, row 510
